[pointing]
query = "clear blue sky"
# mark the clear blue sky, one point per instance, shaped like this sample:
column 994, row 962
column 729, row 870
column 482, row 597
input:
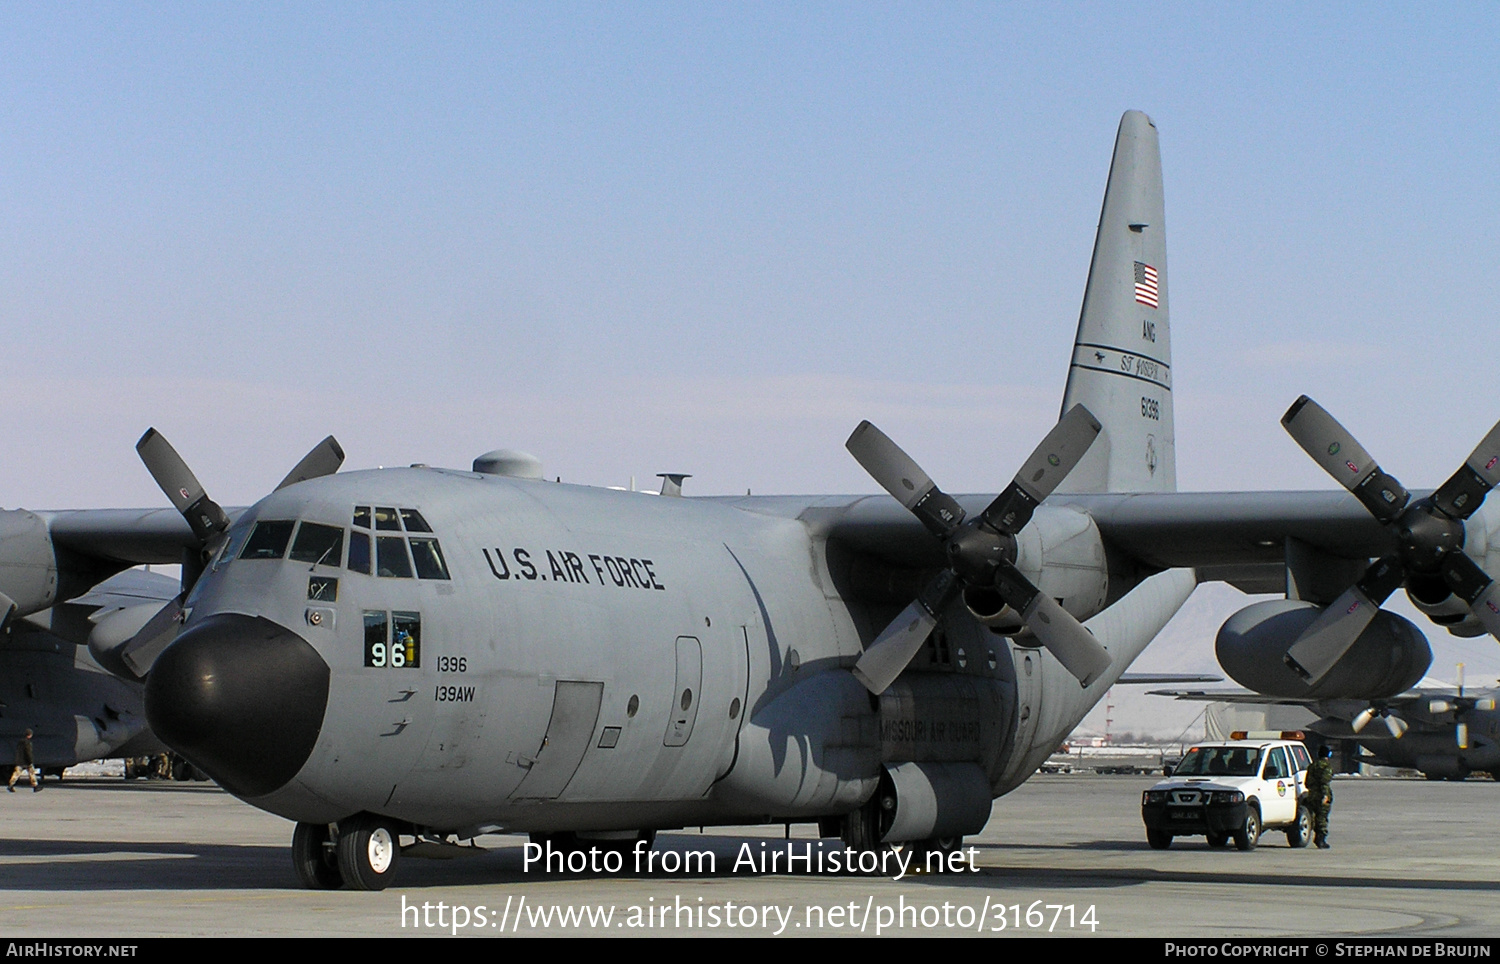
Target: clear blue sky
column 710, row 238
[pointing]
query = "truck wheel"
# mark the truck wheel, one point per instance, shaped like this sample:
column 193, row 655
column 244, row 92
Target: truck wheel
column 1248, row 836
column 1300, row 833
column 1158, row 839
column 1217, row 840
column 369, row 848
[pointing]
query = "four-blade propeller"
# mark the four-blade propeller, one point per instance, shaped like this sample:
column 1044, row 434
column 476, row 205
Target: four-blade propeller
column 210, row 525
column 1429, row 535
column 981, row 551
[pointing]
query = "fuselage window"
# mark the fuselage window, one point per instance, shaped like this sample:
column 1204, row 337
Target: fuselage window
column 319, row 545
column 391, row 557
column 362, row 516
column 406, row 635
column 359, row 552
column 377, row 638
column 429, row 559
column 393, row 640
column 268, row 541
column 386, row 518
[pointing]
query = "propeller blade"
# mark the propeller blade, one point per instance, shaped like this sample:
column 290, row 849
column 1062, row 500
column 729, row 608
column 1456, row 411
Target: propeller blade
column 1436, row 707
column 324, row 459
column 1362, row 719
column 1461, row 734
column 1065, row 637
column 1329, row 637
column 1471, row 584
column 1341, row 456
column 894, row 648
column 903, row 478
column 180, row 485
column 1395, row 724
column 140, row 651
column 1043, row 471
column 1463, row 494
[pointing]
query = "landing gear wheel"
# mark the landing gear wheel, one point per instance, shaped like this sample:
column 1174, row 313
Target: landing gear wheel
column 315, row 857
column 369, row 848
column 1248, row 836
column 1158, row 839
column 1300, row 834
column 861, row 829
column 1217, row 840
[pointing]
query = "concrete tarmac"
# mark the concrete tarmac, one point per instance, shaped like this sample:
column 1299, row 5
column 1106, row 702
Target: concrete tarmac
column 1064, row 855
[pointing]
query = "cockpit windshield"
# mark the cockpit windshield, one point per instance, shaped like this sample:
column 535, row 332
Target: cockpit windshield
column 415, row 554
column 1217, row 761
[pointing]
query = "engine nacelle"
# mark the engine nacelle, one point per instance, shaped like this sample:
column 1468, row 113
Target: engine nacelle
column 1389, row 657
column 922, row 801
column 1062, row 553
column 1447, row 611
column 28, row 566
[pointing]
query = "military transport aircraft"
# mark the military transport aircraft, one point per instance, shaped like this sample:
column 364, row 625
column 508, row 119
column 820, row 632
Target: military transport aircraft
column 431, row 654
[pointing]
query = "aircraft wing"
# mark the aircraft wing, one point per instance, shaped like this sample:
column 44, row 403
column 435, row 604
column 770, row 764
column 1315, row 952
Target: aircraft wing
column 129, row 588
column 1152, row 679
column 131, row 537
column 1248, row 697
column 1236, row 537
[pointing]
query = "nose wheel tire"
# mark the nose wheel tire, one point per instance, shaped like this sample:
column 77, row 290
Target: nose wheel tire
column 315, row 857
column 369, row 848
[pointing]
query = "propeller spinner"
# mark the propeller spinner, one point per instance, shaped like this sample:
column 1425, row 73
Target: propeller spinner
column 981, row 551
column 1429, row 536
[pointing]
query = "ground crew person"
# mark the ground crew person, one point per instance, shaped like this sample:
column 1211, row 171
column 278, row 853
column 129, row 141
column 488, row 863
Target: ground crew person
column 1320, row 794
column 25, row 757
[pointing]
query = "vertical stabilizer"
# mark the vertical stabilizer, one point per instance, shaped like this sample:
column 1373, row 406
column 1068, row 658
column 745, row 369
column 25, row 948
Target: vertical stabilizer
column 1122, row 358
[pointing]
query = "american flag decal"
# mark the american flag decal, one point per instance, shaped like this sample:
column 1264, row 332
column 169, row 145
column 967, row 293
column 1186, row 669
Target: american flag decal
column 1145, row 285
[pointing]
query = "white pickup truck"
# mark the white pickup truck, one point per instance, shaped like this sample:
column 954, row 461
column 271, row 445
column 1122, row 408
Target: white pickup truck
column 1232, row 790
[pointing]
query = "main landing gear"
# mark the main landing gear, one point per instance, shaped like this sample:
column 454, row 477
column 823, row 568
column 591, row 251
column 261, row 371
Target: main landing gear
column 360, row 853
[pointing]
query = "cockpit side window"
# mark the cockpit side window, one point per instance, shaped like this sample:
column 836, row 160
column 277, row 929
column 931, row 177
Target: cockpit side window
column 231, row 546
column 319, row 545
column 268, row 540
column 391, row 557
column 429, row 559
column 359, row 552
column 414, row 521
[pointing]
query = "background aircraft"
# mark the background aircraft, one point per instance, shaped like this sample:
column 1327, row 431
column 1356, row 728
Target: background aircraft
column 1444, row 733
column 51, row 684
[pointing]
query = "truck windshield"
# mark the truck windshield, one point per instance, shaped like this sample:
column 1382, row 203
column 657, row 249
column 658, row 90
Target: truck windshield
column 1214, row 761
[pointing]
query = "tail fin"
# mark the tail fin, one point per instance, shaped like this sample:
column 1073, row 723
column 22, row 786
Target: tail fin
column 1122, row 357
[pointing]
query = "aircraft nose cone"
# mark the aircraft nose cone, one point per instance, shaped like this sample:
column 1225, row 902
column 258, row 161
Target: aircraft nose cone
column 242, row 697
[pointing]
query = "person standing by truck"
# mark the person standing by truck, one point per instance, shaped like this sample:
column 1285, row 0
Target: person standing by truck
column 1320, row 794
